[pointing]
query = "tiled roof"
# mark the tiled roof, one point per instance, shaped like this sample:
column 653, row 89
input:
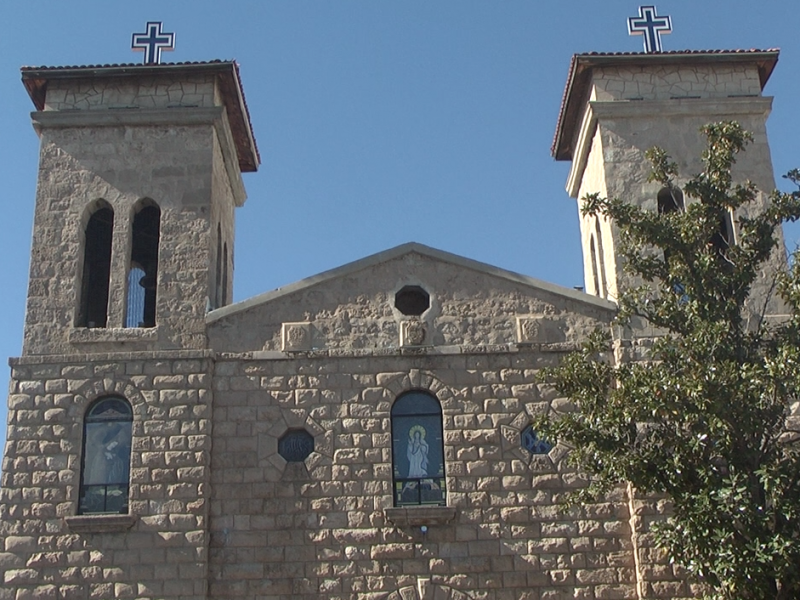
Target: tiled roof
column 578, row 80
column 35, row 80
column 137, row 66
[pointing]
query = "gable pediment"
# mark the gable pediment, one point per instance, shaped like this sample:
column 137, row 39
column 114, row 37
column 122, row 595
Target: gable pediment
column 354, row 307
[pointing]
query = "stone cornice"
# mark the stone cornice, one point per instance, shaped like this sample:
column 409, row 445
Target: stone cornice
column 144, row 117
column 684, row 107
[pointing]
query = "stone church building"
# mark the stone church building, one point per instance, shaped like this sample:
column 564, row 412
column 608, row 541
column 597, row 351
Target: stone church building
column 363, row 434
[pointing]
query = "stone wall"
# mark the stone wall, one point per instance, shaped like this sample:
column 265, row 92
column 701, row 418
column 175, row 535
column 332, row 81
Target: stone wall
column 121, row 165
column 324, row 528
column 143, row 92
column 160, row 550
column 354, row 307
column 675, row 81
column 223, row 215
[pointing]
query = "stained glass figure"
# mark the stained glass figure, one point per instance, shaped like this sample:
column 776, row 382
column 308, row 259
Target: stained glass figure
column 418, row 450
column 106, row 457
column 532, row 443
column 417, row 453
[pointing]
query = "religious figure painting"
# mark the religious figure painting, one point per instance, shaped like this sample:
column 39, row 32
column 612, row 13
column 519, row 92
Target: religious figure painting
column 417, row 452
column 418, row 457
column 108, row 454
column 106, row 458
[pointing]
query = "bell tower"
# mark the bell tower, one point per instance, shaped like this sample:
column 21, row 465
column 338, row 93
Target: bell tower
column 139, row 175
column 617, row 106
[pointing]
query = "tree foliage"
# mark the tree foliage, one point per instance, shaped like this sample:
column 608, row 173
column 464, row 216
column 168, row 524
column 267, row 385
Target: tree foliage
column 705, row 419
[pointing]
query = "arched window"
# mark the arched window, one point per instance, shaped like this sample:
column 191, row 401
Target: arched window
column 417, row 450
column 670, row 200
column 723, row 237
column 143, row 268
column 106, row 463
column 218, row 275
column 93, row 307
column 595, row 277
column 601, row 260
column 225, row 274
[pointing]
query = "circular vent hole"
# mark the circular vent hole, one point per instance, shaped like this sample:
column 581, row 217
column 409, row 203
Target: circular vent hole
column 412, row 300
column 295, row 445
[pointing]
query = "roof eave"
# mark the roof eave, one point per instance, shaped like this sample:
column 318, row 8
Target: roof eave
column 35, row 80
column 571, row 294
column 581, row 65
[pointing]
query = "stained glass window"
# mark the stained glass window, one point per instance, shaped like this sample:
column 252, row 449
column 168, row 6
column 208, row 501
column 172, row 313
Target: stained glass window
column 533, row 443
column 105, row 470
column 296, row 445
column 418, row 450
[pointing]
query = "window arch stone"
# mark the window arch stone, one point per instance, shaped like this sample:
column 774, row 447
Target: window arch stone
column 426, row 589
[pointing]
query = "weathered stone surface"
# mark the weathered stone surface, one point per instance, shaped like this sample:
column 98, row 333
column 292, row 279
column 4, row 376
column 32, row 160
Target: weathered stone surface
column 215, row 510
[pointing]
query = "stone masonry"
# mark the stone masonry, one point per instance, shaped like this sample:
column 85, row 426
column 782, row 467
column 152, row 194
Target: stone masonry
column 214, row 508
column 160, row 549
column 326, row 529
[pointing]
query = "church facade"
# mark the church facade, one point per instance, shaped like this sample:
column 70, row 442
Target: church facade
column 363, row 434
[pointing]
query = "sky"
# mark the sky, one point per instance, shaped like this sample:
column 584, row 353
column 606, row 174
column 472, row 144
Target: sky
column 380, row 122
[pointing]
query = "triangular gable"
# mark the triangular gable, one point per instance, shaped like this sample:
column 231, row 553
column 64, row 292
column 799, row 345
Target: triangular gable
column 355, row 307
column 396, row 252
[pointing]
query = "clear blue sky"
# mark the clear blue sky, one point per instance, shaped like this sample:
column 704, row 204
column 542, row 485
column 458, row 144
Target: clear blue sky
column 380, row 122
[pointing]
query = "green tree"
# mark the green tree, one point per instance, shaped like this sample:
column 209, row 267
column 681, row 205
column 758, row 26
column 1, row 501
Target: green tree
column 705, row 419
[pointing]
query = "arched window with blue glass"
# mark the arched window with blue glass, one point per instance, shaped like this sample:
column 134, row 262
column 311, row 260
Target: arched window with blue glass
column 105, row 470
column 418, row 450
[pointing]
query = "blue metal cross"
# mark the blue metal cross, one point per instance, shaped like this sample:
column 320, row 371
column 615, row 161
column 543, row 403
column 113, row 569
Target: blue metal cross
column 650, row 26
column 152, row 42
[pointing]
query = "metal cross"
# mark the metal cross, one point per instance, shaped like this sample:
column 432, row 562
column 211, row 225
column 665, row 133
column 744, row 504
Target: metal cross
column 152, row 42
column 650, row 26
